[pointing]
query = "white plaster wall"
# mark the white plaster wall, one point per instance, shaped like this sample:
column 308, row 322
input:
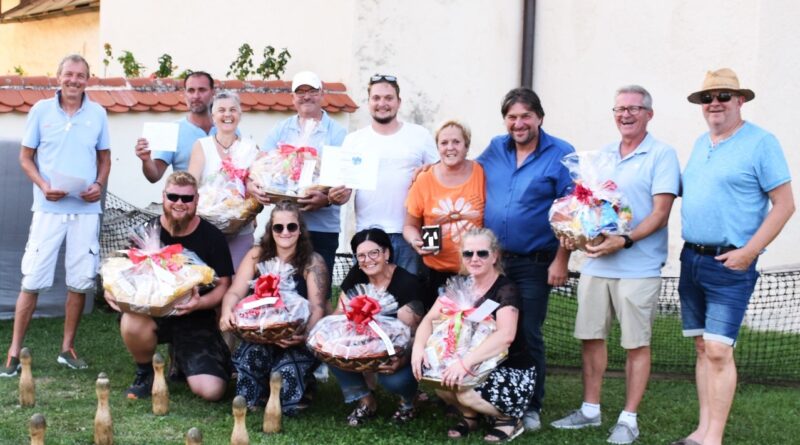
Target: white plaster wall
column 38, row 46
column 585, row 50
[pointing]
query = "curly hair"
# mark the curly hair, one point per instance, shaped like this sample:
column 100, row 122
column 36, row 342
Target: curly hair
column 304, row 251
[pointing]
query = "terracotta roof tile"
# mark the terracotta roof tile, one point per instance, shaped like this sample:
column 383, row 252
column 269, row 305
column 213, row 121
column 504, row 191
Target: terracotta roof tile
column 5, row 108
column 148, row 99
column 160, row 107
column 36, row 81
column 117, row 108
column 122, row 97
column 140, row 107
column 31, row 96
column 334, row 99
column 180, row 107
column 248, row 98
column 348, row 103
column 93, row 81
column 24, row 108
column 257, row 83
column 284, row 99
column 267, row 99
column 246, row 107
column 48, row 94
column 260, row 107
column 101, row 97
column 278, row 84
column 233, row 84
column 331, row 109
column 140, row 82
column 11, row 98
column 10, row 81
column 279, row 108
column 113, row 82
column 168, row 99
column 334, row 86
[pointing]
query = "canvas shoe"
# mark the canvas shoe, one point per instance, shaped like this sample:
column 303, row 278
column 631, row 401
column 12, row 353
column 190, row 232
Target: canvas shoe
column 71, row 360
column 142, row 386
column 623, row 434
column 11, row 367
column 575, row 421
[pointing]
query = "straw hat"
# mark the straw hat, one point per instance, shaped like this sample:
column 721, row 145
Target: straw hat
column 721, row 79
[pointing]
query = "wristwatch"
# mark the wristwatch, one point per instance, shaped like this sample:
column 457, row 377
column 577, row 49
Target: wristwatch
column 628, row 241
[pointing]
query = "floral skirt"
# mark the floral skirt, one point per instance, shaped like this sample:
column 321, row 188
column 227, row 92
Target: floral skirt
column 509, row 390
column 254, row 363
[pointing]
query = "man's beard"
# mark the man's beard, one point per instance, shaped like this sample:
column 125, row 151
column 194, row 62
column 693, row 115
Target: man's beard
column 384, row 120
column 177, row 225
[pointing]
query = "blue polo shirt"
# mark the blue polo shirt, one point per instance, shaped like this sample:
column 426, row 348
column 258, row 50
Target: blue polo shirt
column 725, row 186
column 651, row 169
column 188, row 134
column 518, row 199
column 67, row 145
column 327, row 132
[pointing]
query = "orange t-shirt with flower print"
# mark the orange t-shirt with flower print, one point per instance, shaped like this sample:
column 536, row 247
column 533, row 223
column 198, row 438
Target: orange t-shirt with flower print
column 454, row 209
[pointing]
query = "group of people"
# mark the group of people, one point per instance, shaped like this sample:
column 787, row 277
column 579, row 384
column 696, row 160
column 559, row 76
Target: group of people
column 489, row 218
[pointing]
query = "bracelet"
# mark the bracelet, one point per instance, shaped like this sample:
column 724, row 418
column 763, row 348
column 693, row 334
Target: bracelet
column 98, row 183
column 465, row 368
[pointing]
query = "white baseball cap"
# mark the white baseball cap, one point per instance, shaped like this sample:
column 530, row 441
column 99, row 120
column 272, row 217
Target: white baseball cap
column 306, row 78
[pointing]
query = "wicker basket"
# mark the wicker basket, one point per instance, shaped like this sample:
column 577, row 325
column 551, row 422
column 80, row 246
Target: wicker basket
column 436, row 384
column 269, row 334
column 275, row 196
column 369, row 363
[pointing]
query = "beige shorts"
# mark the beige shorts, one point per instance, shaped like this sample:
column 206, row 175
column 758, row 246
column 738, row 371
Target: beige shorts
column 632, row 300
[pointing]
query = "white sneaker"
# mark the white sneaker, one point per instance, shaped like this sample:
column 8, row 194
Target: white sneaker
column 623, row 434
column 575, row 421
column 531, row 421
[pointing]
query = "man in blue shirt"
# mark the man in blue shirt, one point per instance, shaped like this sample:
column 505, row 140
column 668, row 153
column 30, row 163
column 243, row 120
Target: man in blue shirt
column 735, row 171
column 622, row 276
column 198, row 91
column 524, row 175
column 65, row 153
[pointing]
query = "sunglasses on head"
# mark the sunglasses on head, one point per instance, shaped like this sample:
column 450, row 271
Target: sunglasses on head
column 382, row 78
column 722, row 97
column 174, row 197
column 482, row 254
column 291, row 227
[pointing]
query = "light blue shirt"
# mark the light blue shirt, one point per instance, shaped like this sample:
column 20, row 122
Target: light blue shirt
column 66, row 145
column 188, row 134
column 327, row 132
column 725, row 186
column 649, row 170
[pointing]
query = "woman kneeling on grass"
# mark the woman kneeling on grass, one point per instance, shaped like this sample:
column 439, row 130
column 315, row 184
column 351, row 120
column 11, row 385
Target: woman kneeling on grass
column 287, row 238
column 509, row 387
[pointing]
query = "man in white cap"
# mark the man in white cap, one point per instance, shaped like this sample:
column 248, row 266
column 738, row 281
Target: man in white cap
column 735, row 171
column 312, row 127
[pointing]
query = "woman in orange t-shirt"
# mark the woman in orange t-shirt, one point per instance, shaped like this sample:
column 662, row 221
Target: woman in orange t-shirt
column 443, row 203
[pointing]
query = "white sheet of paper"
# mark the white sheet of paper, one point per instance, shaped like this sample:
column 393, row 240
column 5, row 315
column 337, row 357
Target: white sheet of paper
column 70, row 184
column 161, row 136
column 307, row 173
column 351, row 167
column 258, row 303
column 483, row 311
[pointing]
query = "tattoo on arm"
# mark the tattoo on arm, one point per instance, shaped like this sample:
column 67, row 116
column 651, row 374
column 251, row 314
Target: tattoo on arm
column 320, row 275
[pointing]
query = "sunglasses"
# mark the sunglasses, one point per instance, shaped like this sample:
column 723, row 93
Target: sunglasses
column 722, row 97
column 372, row 254
column 468, row 254
column 174, row 197
column 291, row 227
column 382, row 78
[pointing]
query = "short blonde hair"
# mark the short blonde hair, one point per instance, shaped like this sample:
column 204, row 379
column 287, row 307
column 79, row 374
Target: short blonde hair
column 181, row 178
column 494, row 246
column 454, row 123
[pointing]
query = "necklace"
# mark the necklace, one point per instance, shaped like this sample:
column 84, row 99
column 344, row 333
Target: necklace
column 225, row 149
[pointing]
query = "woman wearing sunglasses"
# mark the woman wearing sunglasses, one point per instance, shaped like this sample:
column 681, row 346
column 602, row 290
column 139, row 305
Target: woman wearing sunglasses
column 374, row 255
column 287, row 238
column 506, row 392
column 210, row 153
column 444, row 202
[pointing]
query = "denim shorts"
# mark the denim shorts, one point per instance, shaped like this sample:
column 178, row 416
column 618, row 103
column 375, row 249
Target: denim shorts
column 713, row 297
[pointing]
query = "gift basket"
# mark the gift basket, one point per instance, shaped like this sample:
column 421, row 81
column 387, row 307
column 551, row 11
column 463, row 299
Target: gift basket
column 151, row 279
column 596, row 207
column 291, row 170
column 460, row 328
column 275, row 311
column 365, row 336
column 224, row 200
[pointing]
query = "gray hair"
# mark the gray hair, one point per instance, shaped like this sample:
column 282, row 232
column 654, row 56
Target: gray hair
column 227, row 94
column 647, row 99
column 494, row 245
column 76, row 58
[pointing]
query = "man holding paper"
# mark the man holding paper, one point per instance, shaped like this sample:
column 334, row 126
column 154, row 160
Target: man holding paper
column 198, row 90
column 312, row 127
column 65, row 153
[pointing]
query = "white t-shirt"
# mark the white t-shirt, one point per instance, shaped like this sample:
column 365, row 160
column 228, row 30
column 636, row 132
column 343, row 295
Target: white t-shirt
column 400, row 153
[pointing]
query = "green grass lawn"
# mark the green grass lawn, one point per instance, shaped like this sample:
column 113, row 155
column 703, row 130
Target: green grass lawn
column 761, row 414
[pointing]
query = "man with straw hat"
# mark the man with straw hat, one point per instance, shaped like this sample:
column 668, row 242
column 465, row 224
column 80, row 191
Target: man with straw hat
column 735, row 171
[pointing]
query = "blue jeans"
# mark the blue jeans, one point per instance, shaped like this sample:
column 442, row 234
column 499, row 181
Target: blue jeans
column 531, row 280
column 713, row 297
column 404, row 254
column 325, row 244
column 354, row 387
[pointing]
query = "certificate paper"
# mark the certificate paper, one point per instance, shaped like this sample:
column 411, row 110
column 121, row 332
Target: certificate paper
column 161, row 136
column 66, row 183
column 351, row 167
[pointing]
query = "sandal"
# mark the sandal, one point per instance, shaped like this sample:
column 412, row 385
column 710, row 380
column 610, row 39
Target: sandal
column 404, row 414
column 464, row 426
column 502, row 436
column 360, row 415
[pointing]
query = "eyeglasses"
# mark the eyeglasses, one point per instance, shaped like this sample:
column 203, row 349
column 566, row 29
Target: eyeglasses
column 382, row 78
column 468, row 254
column 305, row 93
column 372, row 254
column 291, row 227
column 722, row 97
column 633, row 110
column 174, row 197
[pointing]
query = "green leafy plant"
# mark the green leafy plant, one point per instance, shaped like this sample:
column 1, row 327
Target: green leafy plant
column 184, row 74
column 108, row 57
column 272, row 65
column 165, row 66
column 19, row 70
column 242, row 66
column 130, row 66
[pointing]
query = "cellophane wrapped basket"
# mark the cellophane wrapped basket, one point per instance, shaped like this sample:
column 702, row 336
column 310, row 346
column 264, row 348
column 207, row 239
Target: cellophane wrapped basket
column 151, row 279
column 596, row 207
column 366, row 336
column 224, row 200
column 275, row 311
column 453, row 335
column 280, row 172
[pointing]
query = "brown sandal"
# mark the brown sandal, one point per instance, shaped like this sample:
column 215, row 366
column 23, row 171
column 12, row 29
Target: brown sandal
column 463, row 427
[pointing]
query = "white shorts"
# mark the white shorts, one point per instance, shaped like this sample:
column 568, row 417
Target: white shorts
column 47, row 232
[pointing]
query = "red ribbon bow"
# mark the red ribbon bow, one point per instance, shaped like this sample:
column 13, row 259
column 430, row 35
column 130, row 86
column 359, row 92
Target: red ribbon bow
column 362, row 311
column 296, row 161
column 163, row 257
column 235, row 173
column 583, row 194
column 456, row 315
column 267, row 286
